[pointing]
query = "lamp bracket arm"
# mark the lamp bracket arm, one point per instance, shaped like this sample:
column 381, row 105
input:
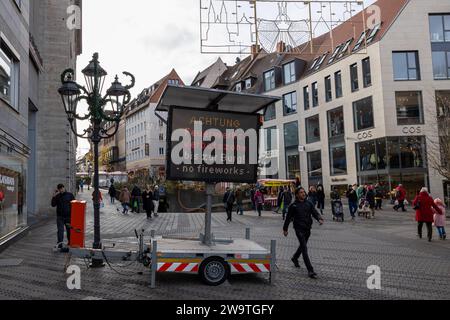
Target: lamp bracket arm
column 133, row 80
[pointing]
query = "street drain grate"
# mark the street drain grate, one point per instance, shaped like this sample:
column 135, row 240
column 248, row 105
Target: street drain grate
column 10, row 262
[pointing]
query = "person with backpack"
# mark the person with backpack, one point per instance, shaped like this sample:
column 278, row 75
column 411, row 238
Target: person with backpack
column 259, row 201
column 228, row 201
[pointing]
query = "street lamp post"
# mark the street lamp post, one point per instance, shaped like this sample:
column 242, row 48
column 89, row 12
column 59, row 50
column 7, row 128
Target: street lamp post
column 102, row 110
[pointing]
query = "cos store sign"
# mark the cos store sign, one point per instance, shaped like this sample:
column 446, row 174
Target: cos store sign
column 412, row 130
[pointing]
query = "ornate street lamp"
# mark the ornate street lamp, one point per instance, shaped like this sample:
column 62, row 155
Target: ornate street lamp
column 102, row 110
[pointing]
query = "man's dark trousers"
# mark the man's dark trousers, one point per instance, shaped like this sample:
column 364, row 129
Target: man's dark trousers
column 303, row 237
column 229, row 211
column 61, row 223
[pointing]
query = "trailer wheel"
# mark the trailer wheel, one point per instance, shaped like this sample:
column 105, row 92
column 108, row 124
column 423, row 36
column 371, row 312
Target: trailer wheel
column 214, row 271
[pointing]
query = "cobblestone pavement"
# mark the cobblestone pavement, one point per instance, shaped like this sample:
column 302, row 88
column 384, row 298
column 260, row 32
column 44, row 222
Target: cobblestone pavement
column 410, row 268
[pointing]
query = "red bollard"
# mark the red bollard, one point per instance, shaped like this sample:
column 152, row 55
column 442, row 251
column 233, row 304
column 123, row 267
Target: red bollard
column 78, row 224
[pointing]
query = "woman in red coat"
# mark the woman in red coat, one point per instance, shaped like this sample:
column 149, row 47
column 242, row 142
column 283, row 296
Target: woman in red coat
column 423, row 203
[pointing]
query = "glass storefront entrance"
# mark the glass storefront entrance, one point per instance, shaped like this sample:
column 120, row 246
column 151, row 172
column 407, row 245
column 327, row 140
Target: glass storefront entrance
column 392, row 161
column 13, row 212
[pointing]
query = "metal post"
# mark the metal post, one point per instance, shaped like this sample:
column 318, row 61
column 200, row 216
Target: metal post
column 96, row 263
column 273, row 260
column 247, row 233
column 154, row 264
column 207, row 239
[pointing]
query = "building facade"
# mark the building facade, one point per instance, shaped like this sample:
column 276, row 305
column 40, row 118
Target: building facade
column 145, row 133
column 359, row 107
column 37, row 149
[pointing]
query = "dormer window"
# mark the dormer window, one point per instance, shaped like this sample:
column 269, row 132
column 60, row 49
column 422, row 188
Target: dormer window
column 314, row 63
column 335, row 53
column 238, row 87
column 320, row 62
column 248, row 83
column 373, row 33
column 360, row 41
column 289, row 72
column 174, row 81
column 344, row 50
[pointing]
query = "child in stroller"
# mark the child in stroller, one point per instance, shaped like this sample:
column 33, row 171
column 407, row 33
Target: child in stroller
column 364, row 208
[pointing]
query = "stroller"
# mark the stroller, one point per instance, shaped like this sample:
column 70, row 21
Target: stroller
column 337, row 209
column 364, row 208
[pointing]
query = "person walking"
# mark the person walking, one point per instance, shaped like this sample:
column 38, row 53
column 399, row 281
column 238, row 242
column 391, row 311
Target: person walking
column 370, row 197
column 400, row 196
column 378, row 197
column 320, row 198
column 228, row 200
column 424, row 204
column 239, row 201
column 439, row 219
column 280, row 194
column 147, row 201
column 352, row 200
column 124, row 199
column 62, row 201
column 287, row 201
column 360, row 192
column 335, row 198
column 301, row 213
column 136, row 195
column 312, row 195
column 112, row 193
column 252, row 197
column 82, row 185
column 156, row 198
column 259, row 201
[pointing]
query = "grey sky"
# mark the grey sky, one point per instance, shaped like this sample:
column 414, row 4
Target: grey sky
column 145, row 37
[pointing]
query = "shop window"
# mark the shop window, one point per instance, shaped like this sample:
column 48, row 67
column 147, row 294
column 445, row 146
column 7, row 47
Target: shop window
column 292, row 163
column 338, row 158
column 409, row 107
column 290, row 103
column 367, row 156
column 336, row 122
column 312, row 129
column 363, row 114
column 412, row 152
column 382, row 157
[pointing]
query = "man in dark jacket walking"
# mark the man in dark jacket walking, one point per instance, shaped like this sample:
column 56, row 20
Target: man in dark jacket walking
column 228, row 200
column 135, row 199
column 62, row 201
column 301, row 213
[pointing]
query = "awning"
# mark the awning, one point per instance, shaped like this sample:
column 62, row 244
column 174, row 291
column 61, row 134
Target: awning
column 219, row 100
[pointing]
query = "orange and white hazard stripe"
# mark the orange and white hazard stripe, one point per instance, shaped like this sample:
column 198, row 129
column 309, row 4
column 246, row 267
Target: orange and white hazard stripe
column 177, row 267
column 249, row 267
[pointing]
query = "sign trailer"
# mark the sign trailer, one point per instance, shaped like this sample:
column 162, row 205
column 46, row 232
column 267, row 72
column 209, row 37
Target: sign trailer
column 212, row 137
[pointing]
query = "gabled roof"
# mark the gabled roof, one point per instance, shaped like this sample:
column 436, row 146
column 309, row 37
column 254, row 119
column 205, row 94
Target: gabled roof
column 202, row 76
column 322, row 45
